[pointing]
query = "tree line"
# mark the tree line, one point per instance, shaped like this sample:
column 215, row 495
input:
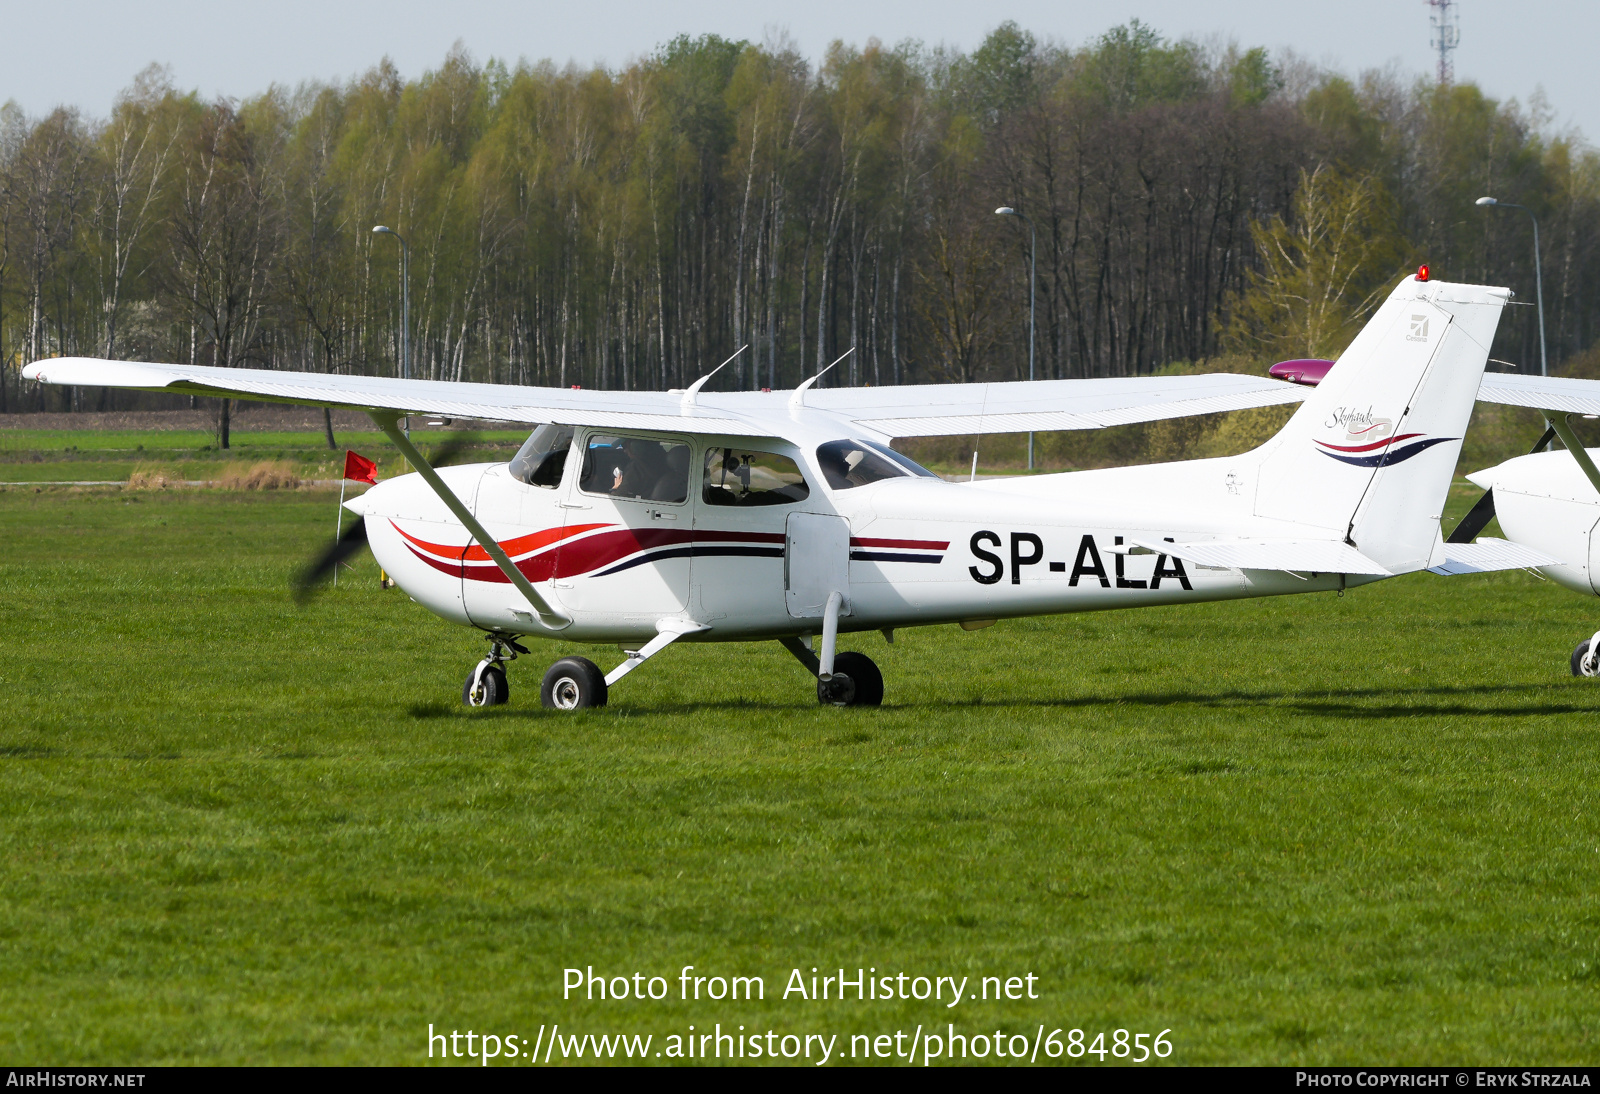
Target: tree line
column 631, row 228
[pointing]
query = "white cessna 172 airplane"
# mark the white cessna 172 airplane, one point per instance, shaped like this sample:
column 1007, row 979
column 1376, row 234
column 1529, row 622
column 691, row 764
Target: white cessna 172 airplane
column 647, row 518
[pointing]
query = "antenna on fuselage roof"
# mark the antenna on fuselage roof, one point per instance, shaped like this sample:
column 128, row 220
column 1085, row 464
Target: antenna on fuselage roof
column 694, row 388
column 798, row 399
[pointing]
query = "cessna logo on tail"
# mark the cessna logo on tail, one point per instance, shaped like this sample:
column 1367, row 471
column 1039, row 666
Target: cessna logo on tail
column 1419, row 329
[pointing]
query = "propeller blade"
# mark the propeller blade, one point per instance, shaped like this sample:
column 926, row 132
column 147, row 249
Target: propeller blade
column 1473, row 523
column 308, row 580
column 452, row 446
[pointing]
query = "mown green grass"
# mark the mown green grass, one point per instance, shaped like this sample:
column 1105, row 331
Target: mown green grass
column 1303, row 830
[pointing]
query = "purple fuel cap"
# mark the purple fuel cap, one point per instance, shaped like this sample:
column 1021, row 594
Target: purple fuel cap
column 1308, row 371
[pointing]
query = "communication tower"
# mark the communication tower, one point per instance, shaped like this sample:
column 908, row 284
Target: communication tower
column 1446, row 36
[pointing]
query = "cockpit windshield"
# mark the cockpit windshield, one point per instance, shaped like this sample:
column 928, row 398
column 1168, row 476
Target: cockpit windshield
column 902, row 459
column 847, row 464
column 543, row 456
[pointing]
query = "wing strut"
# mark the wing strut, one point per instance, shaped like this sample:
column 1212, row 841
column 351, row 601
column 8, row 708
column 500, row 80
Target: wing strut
column 548, row 616
column 1558, row 422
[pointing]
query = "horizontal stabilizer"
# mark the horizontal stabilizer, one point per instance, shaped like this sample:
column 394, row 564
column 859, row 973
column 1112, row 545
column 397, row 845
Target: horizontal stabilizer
column 1296, row 555
column 1488, row 555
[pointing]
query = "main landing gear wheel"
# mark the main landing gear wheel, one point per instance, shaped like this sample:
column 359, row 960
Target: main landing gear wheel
column 1582, row 663
column 856, row 682
column 486, row 686
column 572, row 684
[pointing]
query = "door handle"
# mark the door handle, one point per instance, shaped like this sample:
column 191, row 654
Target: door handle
column 656, row 514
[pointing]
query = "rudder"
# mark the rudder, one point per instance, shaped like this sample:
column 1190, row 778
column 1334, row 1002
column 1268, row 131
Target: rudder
column 1369, row 456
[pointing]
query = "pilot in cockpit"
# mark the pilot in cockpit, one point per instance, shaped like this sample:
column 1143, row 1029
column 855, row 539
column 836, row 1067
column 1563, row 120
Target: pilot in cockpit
column 639, row 469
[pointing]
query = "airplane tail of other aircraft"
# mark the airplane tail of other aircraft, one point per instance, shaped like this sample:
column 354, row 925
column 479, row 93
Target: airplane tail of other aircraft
column 1369, row 456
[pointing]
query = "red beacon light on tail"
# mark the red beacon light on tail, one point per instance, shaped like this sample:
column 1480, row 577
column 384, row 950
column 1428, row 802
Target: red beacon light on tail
column 1310, row 371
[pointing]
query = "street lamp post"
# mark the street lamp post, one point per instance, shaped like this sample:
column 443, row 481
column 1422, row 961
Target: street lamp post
column 1538, row 273
column 1033, row 260
column 405, row 306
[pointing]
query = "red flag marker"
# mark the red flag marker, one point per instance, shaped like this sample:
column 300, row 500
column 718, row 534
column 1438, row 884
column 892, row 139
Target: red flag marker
column 357, row 468
column 360, row 469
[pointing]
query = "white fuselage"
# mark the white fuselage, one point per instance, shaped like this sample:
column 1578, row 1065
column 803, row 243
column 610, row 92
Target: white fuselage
column 1545, row 501
column 908, row 551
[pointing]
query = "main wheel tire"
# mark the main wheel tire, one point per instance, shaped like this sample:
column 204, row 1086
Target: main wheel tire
column 839, row 690
column 492, row 687
column 856, row 682
column 573, row 683
column 1577, row 658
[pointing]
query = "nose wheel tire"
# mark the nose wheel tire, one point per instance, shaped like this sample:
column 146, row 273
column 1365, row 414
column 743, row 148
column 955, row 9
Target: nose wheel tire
column 1582, row 663
column 856, row 682
column 487, row 688
column 573, row 683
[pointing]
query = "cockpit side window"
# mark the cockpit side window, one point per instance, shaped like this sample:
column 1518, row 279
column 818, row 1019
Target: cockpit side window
column 543, row 456
column 848, row 464
column 735, row 476
column 641, row 468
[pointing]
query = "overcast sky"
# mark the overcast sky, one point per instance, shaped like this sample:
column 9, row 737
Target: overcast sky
column 82, row 53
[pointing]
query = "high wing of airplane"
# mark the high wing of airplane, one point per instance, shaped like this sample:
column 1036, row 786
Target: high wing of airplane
column 642, row 519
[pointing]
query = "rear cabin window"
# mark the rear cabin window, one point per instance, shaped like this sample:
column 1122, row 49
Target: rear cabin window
column 543, row 456
column 848, row 464
column 741, row 478
column 636, row 467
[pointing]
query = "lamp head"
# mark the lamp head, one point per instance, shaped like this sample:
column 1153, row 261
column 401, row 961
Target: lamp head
column 1486, row 201
column 1005, row 211
column 383, row 228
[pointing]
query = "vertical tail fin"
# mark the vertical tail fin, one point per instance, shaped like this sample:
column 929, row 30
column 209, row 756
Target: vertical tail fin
column 1370, row 455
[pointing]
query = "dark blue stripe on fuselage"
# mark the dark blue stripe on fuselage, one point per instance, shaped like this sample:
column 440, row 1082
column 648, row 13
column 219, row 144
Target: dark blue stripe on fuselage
column 700, row 550
column 1388, row 459
column 891, row 556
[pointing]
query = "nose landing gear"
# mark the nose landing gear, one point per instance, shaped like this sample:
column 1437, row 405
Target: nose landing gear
column 486, row 684
column 1586, row 658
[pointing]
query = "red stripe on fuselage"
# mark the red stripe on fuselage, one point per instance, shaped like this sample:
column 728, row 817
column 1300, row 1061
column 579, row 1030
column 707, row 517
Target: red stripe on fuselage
column 574, row 556
column 1368, row 447
column 521, row 545
column 905, row 544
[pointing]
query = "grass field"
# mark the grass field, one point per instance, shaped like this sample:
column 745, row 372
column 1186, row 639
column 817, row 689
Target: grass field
column 1304, row 830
